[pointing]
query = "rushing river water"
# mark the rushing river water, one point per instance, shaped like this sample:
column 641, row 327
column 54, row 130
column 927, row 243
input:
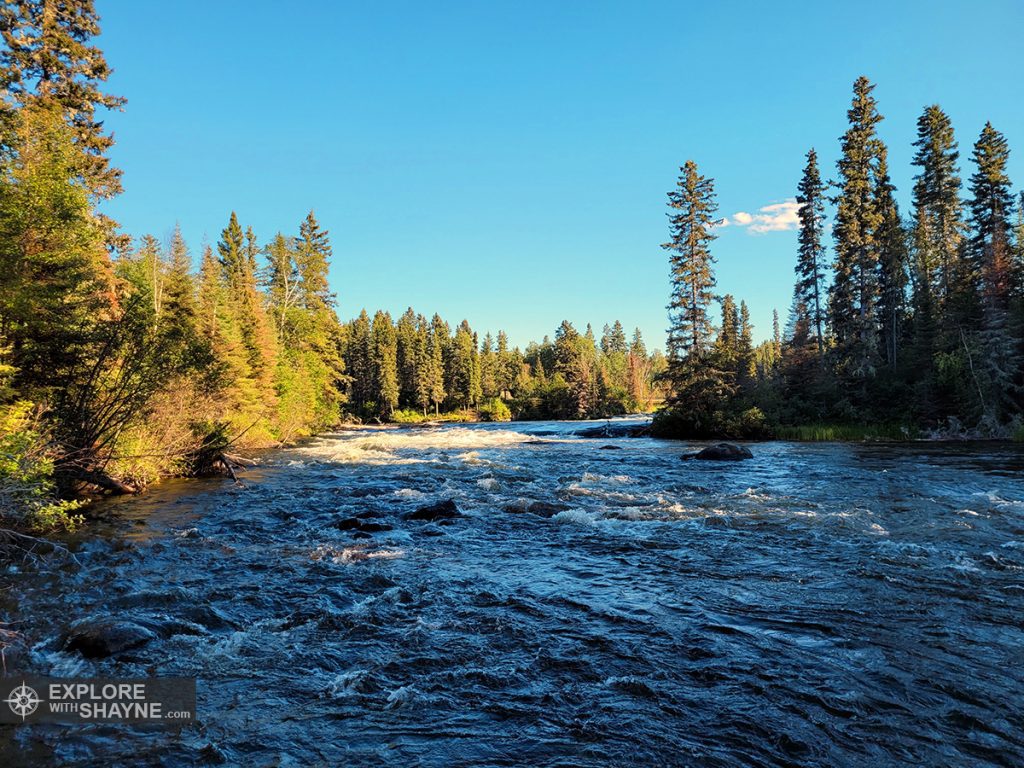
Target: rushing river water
column 821, row 604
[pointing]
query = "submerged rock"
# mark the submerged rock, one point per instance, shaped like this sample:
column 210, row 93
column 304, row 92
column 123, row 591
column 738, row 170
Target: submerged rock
column 610, row 448
column 442, row 510
column 362, row 525
column 106, row 637
column 721, row 452
column 540, row 508
column 614, row 430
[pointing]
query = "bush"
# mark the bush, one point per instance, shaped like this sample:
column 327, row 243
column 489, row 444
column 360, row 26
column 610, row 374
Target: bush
column 28, row 496
column 495, row 410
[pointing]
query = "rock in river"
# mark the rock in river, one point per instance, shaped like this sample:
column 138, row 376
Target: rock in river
column 443, row 510
column 721, row 452
column 97, row 639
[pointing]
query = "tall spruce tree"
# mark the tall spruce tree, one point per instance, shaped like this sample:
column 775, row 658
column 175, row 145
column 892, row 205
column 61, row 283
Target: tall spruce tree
column 991, row 272
column 47, row 59
column 810, row 266
column 854, row 296
column 892, row 265
column 938, row 218
column 384, row 351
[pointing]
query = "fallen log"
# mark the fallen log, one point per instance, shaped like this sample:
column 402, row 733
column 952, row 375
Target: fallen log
column 103, row 480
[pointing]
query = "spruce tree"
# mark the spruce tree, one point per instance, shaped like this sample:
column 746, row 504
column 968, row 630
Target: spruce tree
column 991, row 271
column 384, row 353
column 691, row 222
column 408, row 359
column 854, row 295
column 283, row 288
column 313, row 255
column 892, row 265
column 435, row 375
column 359, row 361
column 47, row 60
column 938, row 218
column 810, row 267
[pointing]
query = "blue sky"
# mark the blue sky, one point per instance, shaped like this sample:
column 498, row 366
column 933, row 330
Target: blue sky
column 508, row 162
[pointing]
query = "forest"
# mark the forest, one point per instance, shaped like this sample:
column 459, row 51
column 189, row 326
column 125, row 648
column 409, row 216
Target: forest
column 123, row 361
column 914, row 326
column 120, row 362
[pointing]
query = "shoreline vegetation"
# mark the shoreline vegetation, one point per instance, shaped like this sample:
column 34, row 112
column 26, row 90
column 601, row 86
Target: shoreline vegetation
column 121, row 361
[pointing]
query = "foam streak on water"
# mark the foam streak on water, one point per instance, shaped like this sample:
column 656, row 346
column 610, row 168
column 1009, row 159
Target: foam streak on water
column 600, row 602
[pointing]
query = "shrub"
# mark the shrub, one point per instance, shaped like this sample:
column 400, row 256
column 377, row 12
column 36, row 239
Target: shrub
column 27, row 489
column 495, row 410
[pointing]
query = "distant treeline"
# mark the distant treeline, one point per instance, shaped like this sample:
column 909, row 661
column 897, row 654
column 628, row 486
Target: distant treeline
column 914, row 321
column 419, row 365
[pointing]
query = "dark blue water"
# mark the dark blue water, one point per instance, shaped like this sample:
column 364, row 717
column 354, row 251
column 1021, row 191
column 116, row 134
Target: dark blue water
column 821, row 604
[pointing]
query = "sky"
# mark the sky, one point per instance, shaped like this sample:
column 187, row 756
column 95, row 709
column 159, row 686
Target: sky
column 508, row 162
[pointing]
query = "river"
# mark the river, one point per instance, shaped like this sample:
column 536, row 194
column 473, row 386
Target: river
column 820, row 604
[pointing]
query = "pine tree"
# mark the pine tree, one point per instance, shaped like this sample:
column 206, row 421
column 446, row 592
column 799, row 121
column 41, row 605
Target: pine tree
column 384, row 353
column 408, row 358
column 892, row 265
column 690, row 228
column 745, row 346
column 312, row 257
column 854, row 294
column 179, row 296
column 47, row 60
column 727, row 343
column 991, row 210
column 810, row 267
column 231, row 249
column 991, row 270
column 434, row 377
column 283, row 288
column 359, row 360
column 937, row 209
column 56, row 279
column 465, row 369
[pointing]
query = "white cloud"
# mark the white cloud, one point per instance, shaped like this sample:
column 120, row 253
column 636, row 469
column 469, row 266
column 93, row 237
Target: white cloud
column 776, row 217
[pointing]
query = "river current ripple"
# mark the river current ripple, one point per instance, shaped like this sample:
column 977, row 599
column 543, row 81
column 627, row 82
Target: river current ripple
column 821, row 604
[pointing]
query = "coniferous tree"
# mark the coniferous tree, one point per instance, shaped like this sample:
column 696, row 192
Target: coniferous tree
column 360, row 361
column 854, row 295
column 698, row 386
column 47, row 60
column 810, row 267
column 892, row 265
column 435, row 378
column 408, row 358
column 283, row 288
column 56, row 279
column 938, row 219
column 384, row 351
column 990, row 260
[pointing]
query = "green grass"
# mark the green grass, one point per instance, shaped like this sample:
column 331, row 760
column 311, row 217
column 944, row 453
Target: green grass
column 1018, row 435
column 409, row 416
column 846, row 432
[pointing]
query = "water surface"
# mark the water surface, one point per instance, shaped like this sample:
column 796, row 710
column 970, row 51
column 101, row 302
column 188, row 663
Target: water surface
column 821, row 604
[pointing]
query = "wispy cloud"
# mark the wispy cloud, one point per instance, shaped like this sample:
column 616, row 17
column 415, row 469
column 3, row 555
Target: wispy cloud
column 776, row 217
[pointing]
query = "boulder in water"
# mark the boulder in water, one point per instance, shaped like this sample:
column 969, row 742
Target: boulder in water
column 442, row 510
column 105, row 637
column 721, row 452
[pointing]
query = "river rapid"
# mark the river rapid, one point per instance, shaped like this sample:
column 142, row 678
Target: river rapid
column 599, row 602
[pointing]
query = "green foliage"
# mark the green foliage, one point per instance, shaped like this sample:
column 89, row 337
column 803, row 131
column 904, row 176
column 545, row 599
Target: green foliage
column 846, row 432
column 495, row 410
column 28, row 491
